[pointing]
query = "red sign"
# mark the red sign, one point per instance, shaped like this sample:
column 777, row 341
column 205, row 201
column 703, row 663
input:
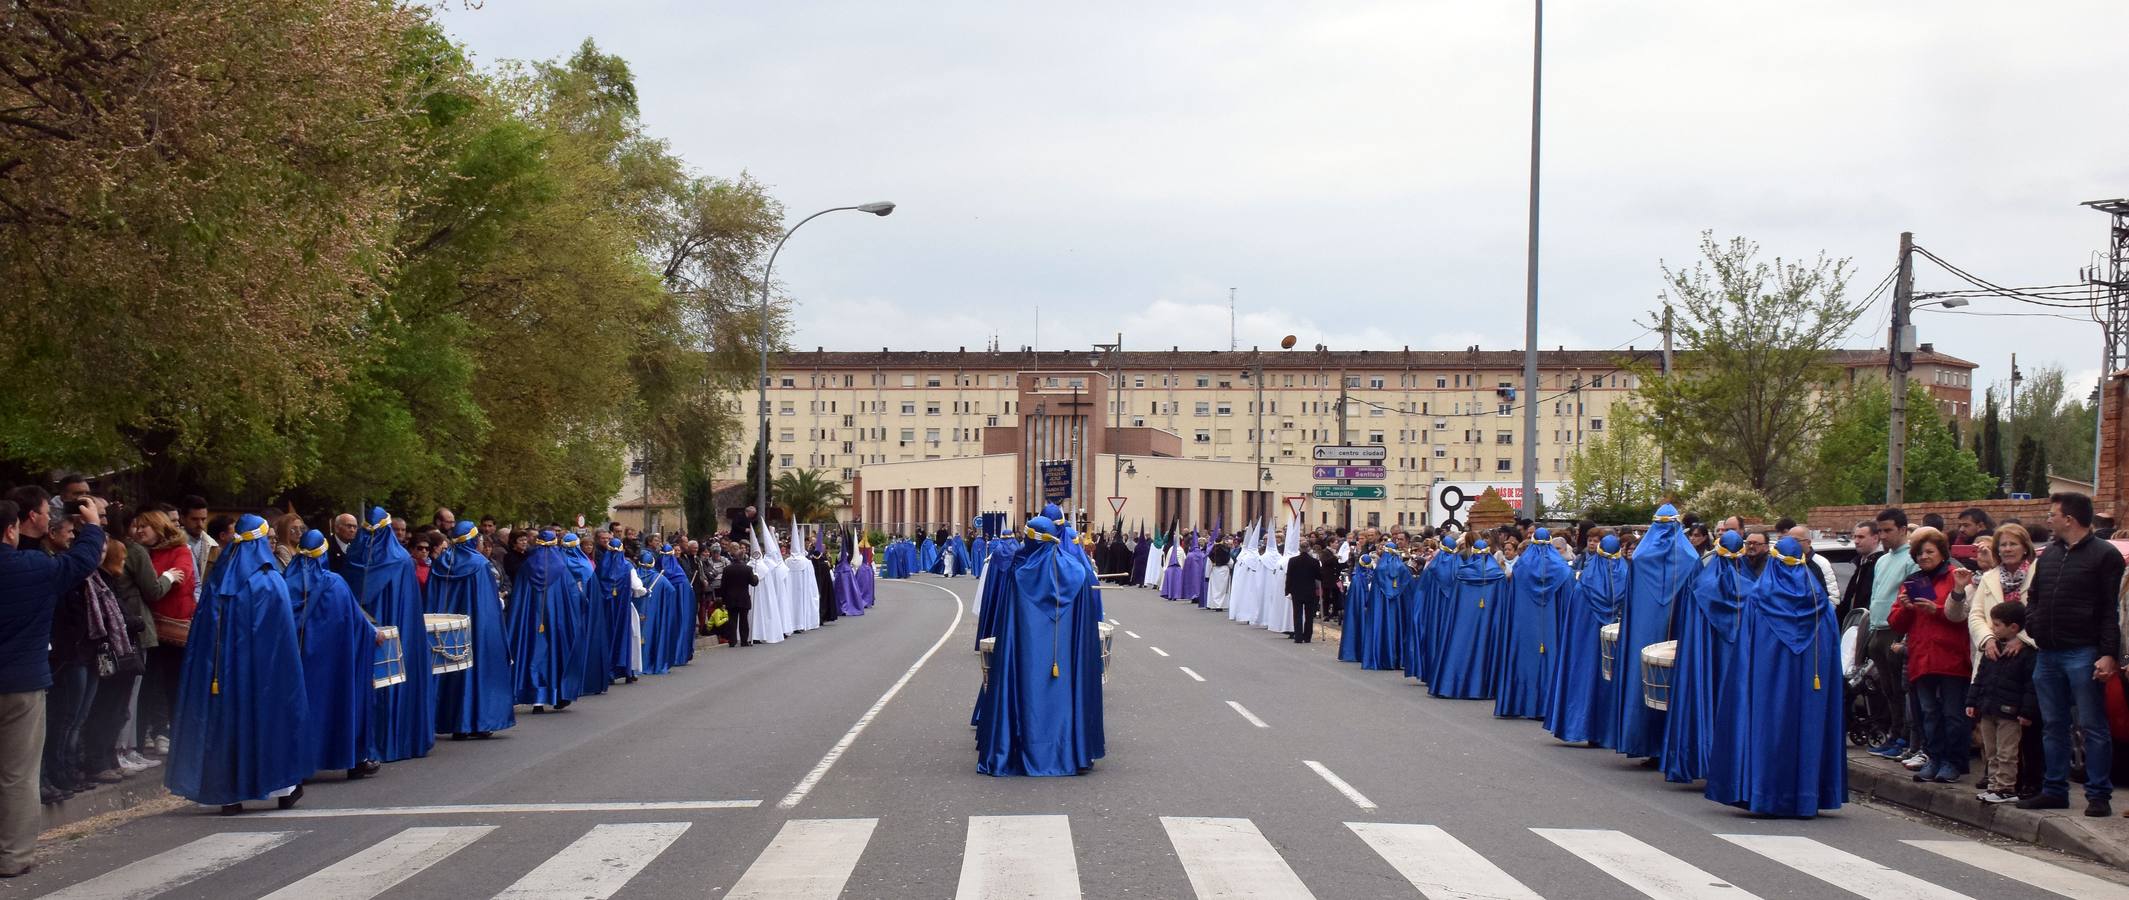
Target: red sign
column 1295, row 502
column 1116, row 506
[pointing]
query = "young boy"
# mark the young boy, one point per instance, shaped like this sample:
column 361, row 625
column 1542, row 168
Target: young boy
column 2003, row 701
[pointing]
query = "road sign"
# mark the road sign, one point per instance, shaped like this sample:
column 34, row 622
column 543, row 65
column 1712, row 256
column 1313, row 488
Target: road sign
column 1351, row 492
column 1116, row 505
column 1294, row 502
column 1364, row 451
column 1352, row 472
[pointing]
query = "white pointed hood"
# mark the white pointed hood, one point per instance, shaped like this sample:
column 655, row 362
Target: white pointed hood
column 1293, row 537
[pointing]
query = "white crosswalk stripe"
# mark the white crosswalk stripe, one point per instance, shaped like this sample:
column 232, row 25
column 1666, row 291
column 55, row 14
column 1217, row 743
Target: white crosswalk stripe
column 175, row 867
column 2039, row 873
column 809, row 859
column 1229, row 859
column 1640, row 866
column 376, row 869
column 1438, row 864
column 597, row 864
column 1018, row 857
column 1841, row 868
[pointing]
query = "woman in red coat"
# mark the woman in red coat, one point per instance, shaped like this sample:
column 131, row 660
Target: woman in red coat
column 1938, row 664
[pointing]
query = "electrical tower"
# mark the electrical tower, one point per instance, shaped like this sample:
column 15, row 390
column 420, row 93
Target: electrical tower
column 2112, row 277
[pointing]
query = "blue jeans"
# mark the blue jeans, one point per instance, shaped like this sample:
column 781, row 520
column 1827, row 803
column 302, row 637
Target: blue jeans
column 1946, row 731
column 2063, row 681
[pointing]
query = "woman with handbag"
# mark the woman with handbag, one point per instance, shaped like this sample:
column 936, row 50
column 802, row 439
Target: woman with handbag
column 169, row 555
column 115, row 622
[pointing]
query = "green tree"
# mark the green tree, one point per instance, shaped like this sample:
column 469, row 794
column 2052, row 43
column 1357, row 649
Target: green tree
column 2036, row 482
column 1719, row 500
column 1988, row 443
column 1757, row 340
column 808, row 495
column 2057, row 418
column 1617, row 476
column 1851, row 454
column 2022, row 464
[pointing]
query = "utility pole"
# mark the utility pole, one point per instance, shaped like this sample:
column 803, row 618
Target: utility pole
column 1256, row 484
column 1665, row 453
column 1530, row 300
column 1345, row 507
column 2010, row 425
column 1898, row 346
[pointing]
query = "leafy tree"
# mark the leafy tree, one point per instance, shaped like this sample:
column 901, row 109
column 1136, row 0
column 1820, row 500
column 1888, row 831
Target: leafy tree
column 1616, row 476
column 2036, row 482
column 2022, row 466
column 1851, row 454
column 1719, row 500
column 1757, row 340
column 2056, row 420
column 809, row 495
column 1988, row 444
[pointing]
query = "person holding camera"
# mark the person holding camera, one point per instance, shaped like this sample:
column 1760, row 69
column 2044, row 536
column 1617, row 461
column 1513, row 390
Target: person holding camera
column 31, row 584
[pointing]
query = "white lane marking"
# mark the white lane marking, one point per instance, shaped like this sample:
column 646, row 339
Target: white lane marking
column 378, row 867
column 1134, row 634
column 1252, row 717
column 2044, row 875
column 1157, row 650
column 1229, row 859
column 805, row 785
column 1116, row 621
column 1426, row 855
column 1018, row 858
column 1640, row 866
column 489, row 808
column 597, row 865
column 1351, row 793
column 175, row 867
column 1841, row 868
column 810, row 858
column 1193, row 675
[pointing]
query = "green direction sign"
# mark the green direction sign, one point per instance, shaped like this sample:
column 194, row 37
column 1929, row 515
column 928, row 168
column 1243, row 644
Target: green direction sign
column 1351, row 492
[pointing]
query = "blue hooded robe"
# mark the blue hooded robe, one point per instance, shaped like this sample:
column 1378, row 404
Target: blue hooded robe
column 539, row 625
column 679, row 630
column 1040, row 712
column 846, row 588
column 1527, row 633
column 1664, row 565
column 656, row 607
column 1779, row 729
column 1192, row 585
column 591, row 651
column 1354, row 628
column 865, row 585
column 617, row 594
column 1581, row 696
column 1474, row 590
column 339, row 651
column 1707, row 650
column 927, row 556
column 1141, row 557
column 240, row 729
column 381, row 574
column 1388, row 586
column 475, row 700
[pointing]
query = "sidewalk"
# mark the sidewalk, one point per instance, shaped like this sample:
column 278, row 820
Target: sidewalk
column 137, row 790
column 2067, row 830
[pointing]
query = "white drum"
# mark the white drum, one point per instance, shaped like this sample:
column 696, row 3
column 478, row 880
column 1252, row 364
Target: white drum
column 450, row 642
column 1659, row 663
column 1608, row 647
column 390, row 666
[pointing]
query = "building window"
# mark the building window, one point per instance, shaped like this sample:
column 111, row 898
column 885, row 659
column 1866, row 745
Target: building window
column 1440, row 382
column 1500, row 465
column 1596, row 424
column 1504, row 437
column 847, row 448
column 1375, row 382
column 1204, row 409
column 909, row 381
column 1138, row 381
column 787, row 409
column 1441, row 453
column 786, row 435
column 1226, row 408
column 1375, row 437
column 849, row 421
column 909, row 408
column 931, row 435
column 1204, row 381
column 1286, row 451
column 1505, row 409
column 1136, row 422
column 990, row 421
column 850, row 474
column 784, row 460
column 931, row 381
column 932, row 408
column 1202, row 436
column 908, row 435
column 1375, row 411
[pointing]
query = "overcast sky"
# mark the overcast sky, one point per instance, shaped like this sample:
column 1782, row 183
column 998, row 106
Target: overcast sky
column 1357, row 171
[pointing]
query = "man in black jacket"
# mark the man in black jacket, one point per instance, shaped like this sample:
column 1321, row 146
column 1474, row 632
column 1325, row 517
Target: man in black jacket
column 1304, row 577
column 735, row 594
column 2072, row 617
column 1867, row 551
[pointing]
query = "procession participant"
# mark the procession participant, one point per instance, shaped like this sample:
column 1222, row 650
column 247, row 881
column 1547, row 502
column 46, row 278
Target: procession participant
column 865, row 583
column 1581, row 709
column 1274, row 612
column 1706, row 625
column 927, row 555
column 1355, row 629
column 823, row 581
column 679, row 626
column 1040, row 712
column 1172, row 567
column 338, row 646
column 845, row 578
column 1425, row 615
column 1474, row 590
column 618, row 589
column 381, row 575
column 539, row 622
column 735, row 596
column 660, row 607
column 1527, row 641
column 1382, row 586
column 767, row 624
column 1192, row 587
column 1220, row 575
column 1141, row 557
column 1243, row 595
column 1303, row 582
column 1778, row 724
column 805, row 596
column 242, row 731
column 591, row 652
column 1664, row 566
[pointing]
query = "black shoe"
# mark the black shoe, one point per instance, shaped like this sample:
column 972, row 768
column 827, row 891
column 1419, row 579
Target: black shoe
column 364, row 769
column 2044, row 801
column 562, row 704
column 458, row 735
column 289, row 802
column 231, row 809
column 49, row 794
column 2098, row 809
column 631, row 679
column 483, row 735
column 537, row 708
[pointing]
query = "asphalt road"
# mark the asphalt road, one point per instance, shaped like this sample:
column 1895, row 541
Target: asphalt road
column 764, row 787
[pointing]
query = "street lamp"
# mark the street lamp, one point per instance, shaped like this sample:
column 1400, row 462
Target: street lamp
column 761, row 493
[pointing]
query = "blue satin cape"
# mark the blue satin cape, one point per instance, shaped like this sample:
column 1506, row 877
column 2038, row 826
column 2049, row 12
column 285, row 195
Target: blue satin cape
column 240, row 730
column 1476, row 590
column 381, row 574
column 339, row 650
column 1664, row 566
column 1581, row 696
column 1779, row 728
column 1527, row 639
column 475, row 699
column 1041, row 711
column 594, row 631
column 539, row 627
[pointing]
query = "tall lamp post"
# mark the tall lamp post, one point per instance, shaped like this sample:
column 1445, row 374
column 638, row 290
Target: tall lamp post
column 761, row 490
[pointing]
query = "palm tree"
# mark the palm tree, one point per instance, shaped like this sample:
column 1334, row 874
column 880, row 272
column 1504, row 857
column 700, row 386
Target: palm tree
column 809, row 495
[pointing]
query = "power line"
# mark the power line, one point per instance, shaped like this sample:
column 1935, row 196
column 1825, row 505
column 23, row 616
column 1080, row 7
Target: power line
column 2049, row 296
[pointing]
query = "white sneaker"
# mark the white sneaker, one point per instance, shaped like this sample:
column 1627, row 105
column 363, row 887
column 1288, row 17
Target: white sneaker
column 128, row 766
column 162, row 745
column 1991, row 797
column 1916, row 762
column 145, row 762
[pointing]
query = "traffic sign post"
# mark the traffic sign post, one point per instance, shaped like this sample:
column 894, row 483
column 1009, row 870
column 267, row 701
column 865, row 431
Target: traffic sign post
column 1363, row 451
column 1351, row 492
column 1362, row 472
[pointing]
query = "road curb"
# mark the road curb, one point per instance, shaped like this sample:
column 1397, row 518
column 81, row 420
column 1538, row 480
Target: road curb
column 109, row 798
column 2067, row 830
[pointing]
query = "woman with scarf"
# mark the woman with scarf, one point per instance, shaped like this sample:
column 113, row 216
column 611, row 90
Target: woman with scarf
column 1938, row 665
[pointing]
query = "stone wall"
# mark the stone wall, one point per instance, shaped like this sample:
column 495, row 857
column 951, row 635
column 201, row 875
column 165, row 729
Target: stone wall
column 1831, row 520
